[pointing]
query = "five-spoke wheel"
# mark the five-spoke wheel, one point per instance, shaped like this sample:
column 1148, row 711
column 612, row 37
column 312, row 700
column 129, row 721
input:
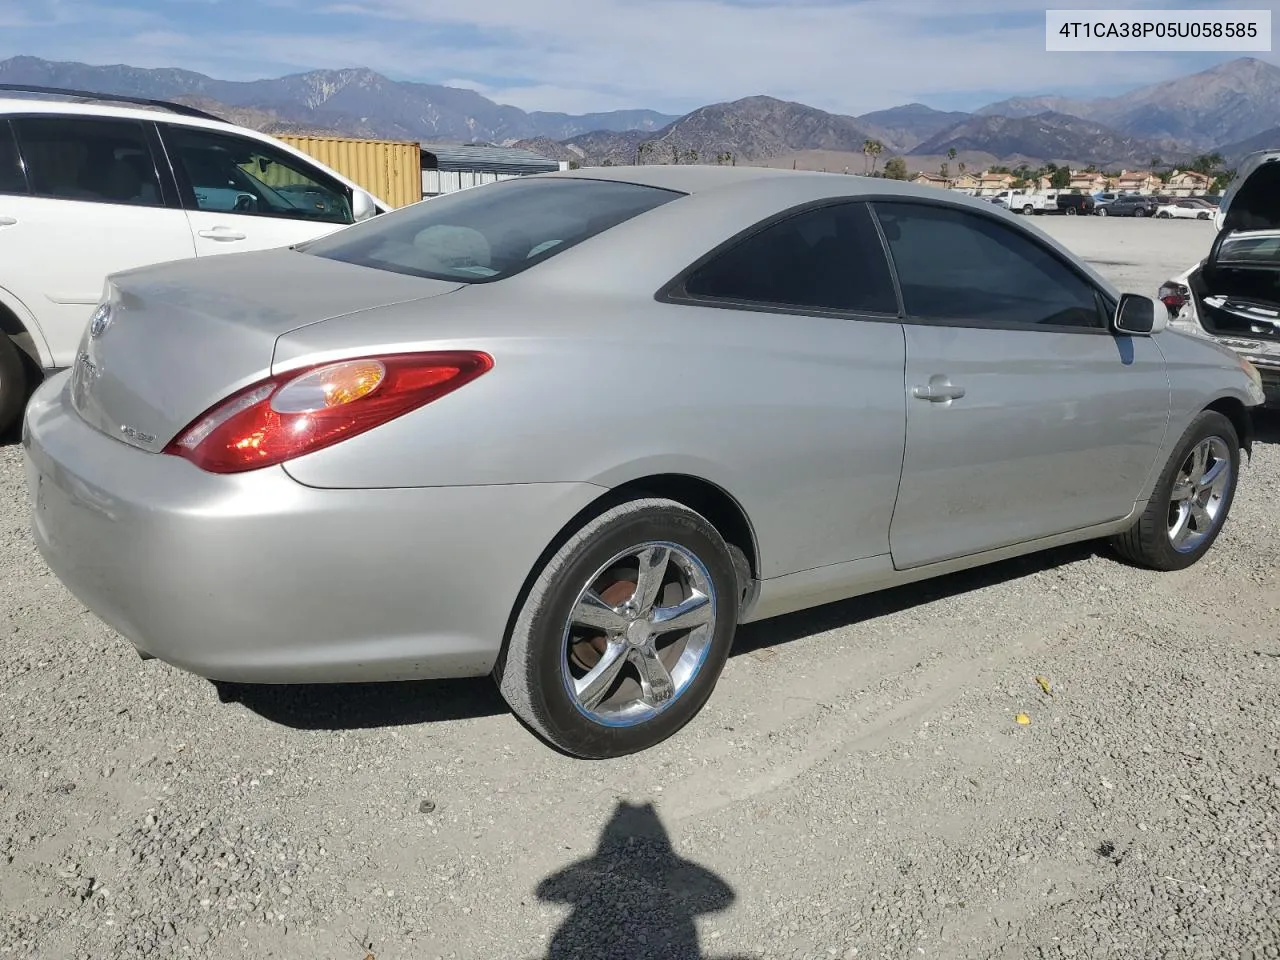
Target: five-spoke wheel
column 623, row 635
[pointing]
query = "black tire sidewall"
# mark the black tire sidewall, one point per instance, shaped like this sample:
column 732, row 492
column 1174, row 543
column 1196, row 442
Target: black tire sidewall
column 1207, row 424
column 571, row 730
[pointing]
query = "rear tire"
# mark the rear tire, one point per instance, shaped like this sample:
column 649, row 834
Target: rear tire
column 1070, row 211
column 1139, row 212
column 13, row 384
column 1027, row 210
column 589, row 609
column 1190, row 502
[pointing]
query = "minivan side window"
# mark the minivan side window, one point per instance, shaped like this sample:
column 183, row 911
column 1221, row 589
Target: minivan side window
column 231, row 174
column 12, row 179
column 827, row 258
column 971, row 270
column 87, row 158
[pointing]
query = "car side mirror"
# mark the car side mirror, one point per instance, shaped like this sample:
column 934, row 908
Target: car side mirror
column 362, row 205
column 1137, row 316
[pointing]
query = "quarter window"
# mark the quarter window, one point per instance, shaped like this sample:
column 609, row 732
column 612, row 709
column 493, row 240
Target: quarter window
column 829, row 258
column 230, row 174
column 102, row 161
column 12, row 179
column 963, row 267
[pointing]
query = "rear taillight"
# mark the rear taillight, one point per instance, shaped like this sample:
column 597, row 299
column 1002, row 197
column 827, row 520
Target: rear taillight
column 1173, row 295
column 306, row 410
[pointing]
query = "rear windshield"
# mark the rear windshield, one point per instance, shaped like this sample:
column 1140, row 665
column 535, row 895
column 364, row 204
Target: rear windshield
column 489, row 232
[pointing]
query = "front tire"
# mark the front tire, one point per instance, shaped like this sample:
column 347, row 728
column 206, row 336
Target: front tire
column 623, row 636
column 1101, row 211
column 1070, row 211
column 1191, row 500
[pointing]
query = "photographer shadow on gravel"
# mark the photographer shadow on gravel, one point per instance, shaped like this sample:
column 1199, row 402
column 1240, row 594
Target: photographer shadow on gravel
column 635, row 898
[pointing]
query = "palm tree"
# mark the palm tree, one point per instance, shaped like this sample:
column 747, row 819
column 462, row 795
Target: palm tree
column 866, row 155
column 876, row 149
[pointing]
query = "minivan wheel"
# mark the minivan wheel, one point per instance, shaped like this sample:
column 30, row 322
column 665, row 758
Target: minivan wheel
column 1070, row 211
column 623, row 636
column 1190, row 503
column 1139, row 212
column 13, row 383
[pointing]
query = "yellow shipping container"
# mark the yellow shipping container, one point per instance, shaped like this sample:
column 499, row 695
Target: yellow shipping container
column 389, row 169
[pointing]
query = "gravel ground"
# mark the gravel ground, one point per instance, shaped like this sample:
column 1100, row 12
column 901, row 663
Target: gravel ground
column 857, row 787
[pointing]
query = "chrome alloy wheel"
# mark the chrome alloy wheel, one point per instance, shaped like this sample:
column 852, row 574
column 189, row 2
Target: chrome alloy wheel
column 1199, row 490
column 638, row 633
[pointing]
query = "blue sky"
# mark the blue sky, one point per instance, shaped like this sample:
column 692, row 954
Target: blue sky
column 849, row 56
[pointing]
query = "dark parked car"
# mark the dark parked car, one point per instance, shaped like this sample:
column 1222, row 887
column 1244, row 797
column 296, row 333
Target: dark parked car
column 1129, row 205
column 1075, row 203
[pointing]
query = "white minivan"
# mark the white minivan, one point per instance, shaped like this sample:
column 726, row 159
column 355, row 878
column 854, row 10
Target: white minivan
column 91, row 184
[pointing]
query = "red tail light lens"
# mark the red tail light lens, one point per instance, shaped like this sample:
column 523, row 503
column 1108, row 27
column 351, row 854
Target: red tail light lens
column 306, row 410
column 1174, row 295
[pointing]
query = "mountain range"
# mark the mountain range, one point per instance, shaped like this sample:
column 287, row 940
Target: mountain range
column 1230, row 108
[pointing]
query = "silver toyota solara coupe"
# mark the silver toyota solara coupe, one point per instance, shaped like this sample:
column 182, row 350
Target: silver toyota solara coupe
column 571, row 430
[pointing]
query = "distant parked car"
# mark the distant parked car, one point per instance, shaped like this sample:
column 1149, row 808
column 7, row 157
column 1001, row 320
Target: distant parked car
column 1126, row 205
column 570, row 430
column 1183, row 210
column 1020, row 201
column 1073, row 204
column 1232, row 296
column 91, row 184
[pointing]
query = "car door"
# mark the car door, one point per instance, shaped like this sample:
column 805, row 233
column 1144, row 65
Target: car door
column 806, row 301
column 1026, row 417
column 243, row 194
column 91, row 201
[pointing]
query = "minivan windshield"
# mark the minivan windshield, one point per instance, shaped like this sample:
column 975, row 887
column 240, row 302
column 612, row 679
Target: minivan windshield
column 485, row 233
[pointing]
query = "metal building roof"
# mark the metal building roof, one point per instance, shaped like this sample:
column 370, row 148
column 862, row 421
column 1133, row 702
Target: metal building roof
column 457, row 156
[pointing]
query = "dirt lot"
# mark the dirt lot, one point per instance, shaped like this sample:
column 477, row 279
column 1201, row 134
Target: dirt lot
column 857, row 786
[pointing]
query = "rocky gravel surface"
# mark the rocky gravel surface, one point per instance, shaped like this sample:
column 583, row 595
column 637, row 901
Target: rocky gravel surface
column 859, row 785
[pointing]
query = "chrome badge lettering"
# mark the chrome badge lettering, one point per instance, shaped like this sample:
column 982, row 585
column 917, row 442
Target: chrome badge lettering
column 137, row 436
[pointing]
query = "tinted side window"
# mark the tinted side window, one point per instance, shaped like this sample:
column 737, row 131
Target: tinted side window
column 961, row 266
column 230, row 174
column 12, row 179
column 105, row 161
column 829, row 258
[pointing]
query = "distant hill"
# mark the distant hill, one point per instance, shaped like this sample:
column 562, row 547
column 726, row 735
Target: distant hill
column 904, row 127
column 358, row 101
column 1229, row 104
column 1048, row 136
column 1233, row 153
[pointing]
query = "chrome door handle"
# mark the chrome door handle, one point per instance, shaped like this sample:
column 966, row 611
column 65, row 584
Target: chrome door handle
column 8, row 221
column 939, row 389
column 221, row 235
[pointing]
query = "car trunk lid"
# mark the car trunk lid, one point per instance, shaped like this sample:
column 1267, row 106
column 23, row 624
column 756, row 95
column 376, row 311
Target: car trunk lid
column 1237, row 290
column 183, row 336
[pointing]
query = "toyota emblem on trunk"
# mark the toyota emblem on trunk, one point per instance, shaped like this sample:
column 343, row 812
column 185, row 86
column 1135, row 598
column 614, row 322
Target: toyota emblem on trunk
column 99, row 322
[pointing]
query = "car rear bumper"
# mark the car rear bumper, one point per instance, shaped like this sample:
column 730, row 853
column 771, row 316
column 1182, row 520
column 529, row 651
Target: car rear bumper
column 254, row 577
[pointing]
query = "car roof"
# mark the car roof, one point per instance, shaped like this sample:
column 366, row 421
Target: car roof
column 703, row 178
column 10, row 104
